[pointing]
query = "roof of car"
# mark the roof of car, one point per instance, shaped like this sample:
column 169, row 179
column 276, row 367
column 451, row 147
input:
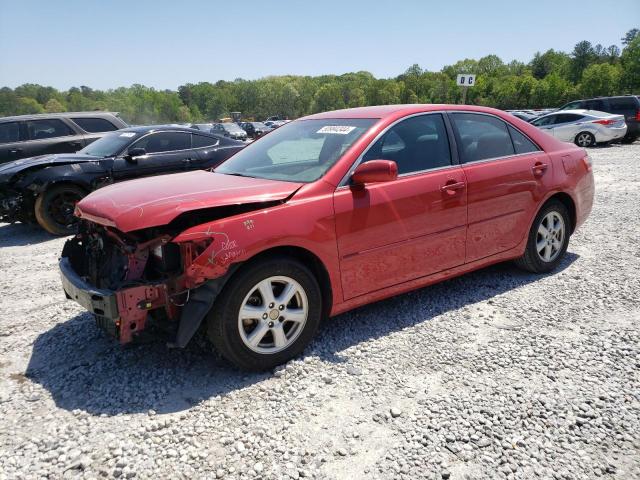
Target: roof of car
column 160, row 128
column 383, row 111
column 36, row 116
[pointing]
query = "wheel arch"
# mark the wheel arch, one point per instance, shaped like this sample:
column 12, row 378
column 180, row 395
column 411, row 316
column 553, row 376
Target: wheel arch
column 568, row 202
column 307, row 258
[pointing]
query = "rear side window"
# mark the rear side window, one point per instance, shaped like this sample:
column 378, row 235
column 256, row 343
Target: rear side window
column 415, row 144
column 200, row 141
column 94, row 125
column 623, row 105
column 39, row 129
column 164, row 142
column 521, row 144
column 9, row 132
column 482, row 137
column 567, row 117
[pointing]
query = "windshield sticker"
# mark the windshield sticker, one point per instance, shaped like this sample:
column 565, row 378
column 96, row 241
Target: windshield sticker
column 128, row 134
column 339, row 129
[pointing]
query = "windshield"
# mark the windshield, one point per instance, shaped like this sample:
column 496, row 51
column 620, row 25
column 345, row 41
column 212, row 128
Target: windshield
column 300, row 151
column 231, row 127
column 109, row 145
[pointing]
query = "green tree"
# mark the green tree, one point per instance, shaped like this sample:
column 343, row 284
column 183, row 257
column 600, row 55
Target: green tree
column 630, row 62
column 601, row 79
column 54, row 106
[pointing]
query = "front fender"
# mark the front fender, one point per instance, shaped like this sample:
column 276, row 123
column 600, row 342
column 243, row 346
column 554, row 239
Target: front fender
column 305, row 224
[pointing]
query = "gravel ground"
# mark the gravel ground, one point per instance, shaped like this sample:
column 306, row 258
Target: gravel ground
column 497, row 374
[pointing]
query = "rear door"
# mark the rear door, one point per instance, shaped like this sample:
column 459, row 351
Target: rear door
column 506, row 173
column 52, row 135
column 566, row 126
column 393, row 232
column 166, row 152
column 11, row 144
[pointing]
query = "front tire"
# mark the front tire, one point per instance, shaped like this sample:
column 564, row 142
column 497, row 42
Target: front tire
column 267, row 314
column 54, row 209
column 585, row 140
column 548, row 239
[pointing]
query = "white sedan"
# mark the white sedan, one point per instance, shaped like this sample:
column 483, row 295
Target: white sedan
column 585, row 128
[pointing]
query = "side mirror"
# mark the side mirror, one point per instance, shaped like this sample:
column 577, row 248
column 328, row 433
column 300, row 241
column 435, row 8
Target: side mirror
column 375, row 171
column 133, row 153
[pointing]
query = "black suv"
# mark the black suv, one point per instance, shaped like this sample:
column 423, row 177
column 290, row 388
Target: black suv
column 30, row 135
column 46, row 188
column 627, row 105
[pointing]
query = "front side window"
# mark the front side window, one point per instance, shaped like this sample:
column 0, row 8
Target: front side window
column 9, row 132
column 40, row 129
column 94, row 125
column 300, row 151
column 572, row 106
column 415, row 144
column 482, row 137
column 546, row 120
column 521, row 143
column 164, row 142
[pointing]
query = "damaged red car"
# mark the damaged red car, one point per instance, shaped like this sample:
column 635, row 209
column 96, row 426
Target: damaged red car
column 325, row 214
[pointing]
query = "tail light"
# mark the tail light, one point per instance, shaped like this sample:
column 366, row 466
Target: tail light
column 604, row 122
column 638, row 115
column 587, row 162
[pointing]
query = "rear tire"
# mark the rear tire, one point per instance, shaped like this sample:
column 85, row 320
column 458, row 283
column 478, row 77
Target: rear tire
column 54, row 209
column 545, row 249
column 629, row 139
column 258, row 331
column 585, row 140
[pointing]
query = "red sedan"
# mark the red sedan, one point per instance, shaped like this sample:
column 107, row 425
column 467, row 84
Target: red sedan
column 325, row 214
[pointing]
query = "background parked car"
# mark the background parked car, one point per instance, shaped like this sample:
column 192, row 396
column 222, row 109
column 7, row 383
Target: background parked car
column 527, row 117
column 230, row 130
column 585, row 128
column 46, row 188
column 30, row 135
column 255, row 129
column 205, row 127
column 626, row 105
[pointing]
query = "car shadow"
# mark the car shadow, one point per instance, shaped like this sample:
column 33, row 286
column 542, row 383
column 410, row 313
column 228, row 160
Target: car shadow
column 20, row 234
column 84, row 369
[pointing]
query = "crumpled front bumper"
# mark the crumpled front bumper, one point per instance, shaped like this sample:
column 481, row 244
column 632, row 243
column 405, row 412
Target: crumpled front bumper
column 122, row 313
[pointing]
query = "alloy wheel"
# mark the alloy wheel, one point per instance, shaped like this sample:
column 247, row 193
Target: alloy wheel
column 273, row 314
column 584, row 139
column 550, row 236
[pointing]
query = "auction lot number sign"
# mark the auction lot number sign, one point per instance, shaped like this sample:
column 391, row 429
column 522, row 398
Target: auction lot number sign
column 466, row 80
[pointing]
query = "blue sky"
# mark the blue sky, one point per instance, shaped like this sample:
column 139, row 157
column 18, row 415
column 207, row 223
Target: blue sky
column 106, row 44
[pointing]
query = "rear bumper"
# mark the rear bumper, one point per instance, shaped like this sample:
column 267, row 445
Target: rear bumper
column 610, row 134
column 122, row 313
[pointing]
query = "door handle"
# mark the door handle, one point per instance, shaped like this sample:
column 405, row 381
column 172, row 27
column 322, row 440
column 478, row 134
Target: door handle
column 539, row 168
column 15, row 150
column 452, row 187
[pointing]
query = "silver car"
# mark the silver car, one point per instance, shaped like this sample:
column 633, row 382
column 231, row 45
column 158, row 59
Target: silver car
column 585, row 128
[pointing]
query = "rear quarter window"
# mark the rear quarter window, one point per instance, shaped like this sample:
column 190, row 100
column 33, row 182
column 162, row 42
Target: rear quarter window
column 94, row 125
column 521, row 144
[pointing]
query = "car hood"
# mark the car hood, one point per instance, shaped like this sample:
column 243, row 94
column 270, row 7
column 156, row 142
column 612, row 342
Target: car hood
column 9, row 169
column 155, row 201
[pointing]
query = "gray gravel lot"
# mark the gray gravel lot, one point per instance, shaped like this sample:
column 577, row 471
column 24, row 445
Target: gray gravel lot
column 497, row 374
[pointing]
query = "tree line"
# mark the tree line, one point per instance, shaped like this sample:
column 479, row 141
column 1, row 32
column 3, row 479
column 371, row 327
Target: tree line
column 548, row 80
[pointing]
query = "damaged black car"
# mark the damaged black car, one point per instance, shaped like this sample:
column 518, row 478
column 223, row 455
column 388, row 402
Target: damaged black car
column 45, row 189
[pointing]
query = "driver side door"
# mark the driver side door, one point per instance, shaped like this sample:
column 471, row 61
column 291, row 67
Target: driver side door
column 166, row 152
column 393, row 232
